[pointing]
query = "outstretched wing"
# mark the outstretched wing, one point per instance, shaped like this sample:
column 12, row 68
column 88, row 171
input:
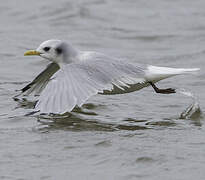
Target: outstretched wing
column 75, row 83
column 39, row 83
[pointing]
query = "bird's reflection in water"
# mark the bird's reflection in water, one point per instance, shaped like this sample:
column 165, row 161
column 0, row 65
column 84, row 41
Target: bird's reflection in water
column 86, row 118
column 71, row 121
column 82, row 119
column 24, row 103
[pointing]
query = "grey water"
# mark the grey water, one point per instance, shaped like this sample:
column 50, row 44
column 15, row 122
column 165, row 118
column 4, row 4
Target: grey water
column 140, row 135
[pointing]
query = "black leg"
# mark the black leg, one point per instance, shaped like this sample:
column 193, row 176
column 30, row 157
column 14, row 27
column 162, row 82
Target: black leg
column 162, row 91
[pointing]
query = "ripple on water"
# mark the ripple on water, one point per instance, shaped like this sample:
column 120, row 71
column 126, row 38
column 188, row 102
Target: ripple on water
column 105, row 143
column 162, row 123
column 144, row 159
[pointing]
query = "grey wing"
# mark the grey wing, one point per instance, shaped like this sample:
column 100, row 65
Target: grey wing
column 75, row 83
column 39, row 83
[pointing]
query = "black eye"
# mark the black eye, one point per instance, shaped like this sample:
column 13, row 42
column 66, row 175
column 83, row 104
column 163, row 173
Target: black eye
column 59, row 50
column 46, row 49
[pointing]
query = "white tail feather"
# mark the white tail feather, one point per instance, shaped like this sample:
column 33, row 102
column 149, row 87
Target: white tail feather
column 155, row 73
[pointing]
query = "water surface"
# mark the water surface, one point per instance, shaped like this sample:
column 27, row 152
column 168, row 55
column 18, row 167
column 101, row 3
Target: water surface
column 141, row 135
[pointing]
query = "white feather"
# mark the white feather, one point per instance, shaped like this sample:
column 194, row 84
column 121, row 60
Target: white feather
column 74, row 83
column 155, row 73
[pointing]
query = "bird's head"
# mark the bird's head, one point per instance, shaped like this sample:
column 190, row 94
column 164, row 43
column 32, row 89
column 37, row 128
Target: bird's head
column 56, row 51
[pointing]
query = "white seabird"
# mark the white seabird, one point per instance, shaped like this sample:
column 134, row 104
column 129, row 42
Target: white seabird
column 73, row 76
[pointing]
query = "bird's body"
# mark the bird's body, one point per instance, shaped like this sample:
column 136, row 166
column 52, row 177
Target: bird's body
column 74, row 76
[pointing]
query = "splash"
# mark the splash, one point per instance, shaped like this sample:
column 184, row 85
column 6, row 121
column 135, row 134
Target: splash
column 193, row 111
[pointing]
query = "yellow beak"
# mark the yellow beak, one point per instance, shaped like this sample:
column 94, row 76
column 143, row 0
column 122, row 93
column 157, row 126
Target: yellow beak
column 32, row 53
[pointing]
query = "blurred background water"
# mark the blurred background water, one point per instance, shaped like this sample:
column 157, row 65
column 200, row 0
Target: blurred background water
column 141, row 135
